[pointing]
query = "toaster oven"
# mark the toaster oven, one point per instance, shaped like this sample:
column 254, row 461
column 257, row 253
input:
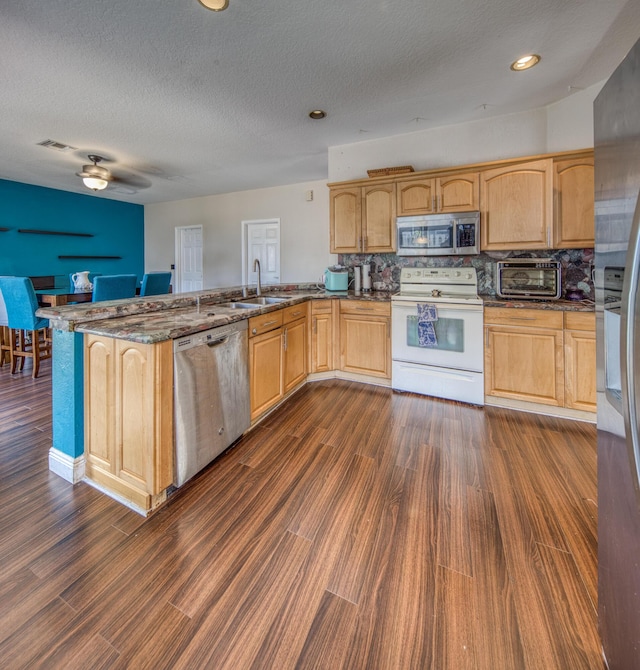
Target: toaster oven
column 529, row 278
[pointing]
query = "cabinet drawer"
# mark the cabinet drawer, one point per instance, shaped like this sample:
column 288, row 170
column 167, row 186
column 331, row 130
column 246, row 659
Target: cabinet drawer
column 321, row 306
column 537, row 318
column 580, row 321
column 365, row 307
column 265, row 322
column 294, row 312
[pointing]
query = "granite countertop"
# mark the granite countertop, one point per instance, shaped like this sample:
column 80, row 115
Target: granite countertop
column 555, row 305
column 167, row 317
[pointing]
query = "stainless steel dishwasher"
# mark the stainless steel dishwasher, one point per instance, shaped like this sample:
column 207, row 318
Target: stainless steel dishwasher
column 211, row 395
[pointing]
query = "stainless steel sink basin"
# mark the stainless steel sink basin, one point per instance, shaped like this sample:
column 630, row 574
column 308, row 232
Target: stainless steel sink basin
column 240, row 305
column 264, row 300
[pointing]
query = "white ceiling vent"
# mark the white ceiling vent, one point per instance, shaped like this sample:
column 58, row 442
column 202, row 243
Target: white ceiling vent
column 58, row 146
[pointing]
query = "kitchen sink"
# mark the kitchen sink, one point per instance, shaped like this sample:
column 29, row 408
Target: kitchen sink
column 264, row 300
column 240, row 305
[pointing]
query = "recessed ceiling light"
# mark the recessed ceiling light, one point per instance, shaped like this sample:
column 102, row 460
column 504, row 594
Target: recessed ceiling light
column 525, row 62
column 215, row 5
column 317, row 114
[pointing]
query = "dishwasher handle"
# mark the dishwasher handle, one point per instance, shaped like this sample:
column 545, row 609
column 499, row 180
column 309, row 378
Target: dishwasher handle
column 217, row 343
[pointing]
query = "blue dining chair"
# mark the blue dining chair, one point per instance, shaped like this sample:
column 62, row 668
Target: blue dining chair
column 28, row 334
column 155, row 283
column 114, row 287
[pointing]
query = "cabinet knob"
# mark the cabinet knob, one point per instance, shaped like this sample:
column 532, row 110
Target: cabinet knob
column 254, row 331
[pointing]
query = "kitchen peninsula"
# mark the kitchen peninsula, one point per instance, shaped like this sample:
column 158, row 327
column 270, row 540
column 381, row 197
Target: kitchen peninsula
column 114, row 364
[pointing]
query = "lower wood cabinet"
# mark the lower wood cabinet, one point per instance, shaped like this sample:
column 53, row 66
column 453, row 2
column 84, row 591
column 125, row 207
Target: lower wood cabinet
column 265, row 371
column 365, row 337
column 524, row 355
column 323, row 322
column 545, row 357
column 580, row 360
column 129, row 418
column 277, row 355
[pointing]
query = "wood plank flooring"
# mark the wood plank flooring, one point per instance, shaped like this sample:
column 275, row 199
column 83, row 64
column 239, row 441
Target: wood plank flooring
column 355, row 528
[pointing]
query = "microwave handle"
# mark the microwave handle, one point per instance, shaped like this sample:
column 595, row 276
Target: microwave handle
column 455, row 236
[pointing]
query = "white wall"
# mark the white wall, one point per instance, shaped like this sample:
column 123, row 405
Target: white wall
column 304, row 231
column 565, row 125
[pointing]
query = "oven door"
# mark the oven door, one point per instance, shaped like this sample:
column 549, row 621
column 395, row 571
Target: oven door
column 458, row 330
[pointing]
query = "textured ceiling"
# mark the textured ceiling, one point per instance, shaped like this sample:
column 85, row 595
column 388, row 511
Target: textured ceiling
column 187, row 102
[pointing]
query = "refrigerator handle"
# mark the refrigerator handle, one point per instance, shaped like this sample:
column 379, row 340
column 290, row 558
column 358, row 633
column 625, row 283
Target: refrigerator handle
column 630, row 361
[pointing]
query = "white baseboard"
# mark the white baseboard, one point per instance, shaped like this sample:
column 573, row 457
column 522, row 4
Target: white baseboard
column 537, row 408
column 63, row 465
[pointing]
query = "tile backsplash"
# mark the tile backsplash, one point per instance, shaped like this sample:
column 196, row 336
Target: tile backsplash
column 577, row 265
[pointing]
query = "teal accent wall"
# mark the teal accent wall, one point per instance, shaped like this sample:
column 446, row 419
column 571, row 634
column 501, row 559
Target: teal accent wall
column 68, row 393
column 117, row 229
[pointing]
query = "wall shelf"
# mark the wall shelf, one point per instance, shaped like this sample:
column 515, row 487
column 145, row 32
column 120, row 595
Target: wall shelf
column 3, row 230
column 85, row 256
column 35, row 231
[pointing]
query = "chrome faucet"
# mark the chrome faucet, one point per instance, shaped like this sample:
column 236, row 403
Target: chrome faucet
column 256, row 268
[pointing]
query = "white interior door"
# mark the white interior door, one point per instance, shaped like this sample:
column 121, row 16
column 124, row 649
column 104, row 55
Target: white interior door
column 262, row 241
column 188, row 259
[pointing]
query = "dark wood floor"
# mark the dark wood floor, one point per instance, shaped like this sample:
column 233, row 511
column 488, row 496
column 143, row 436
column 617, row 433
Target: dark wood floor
column 355, row 528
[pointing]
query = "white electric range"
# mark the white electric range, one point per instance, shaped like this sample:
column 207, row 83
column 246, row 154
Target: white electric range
column 452, row 364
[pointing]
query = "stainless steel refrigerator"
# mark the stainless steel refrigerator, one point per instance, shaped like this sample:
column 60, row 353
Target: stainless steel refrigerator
column 617, row 258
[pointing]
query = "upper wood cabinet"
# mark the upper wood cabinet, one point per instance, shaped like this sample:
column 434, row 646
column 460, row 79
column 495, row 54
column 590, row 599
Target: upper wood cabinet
column 517, row 206
column 362, row 218
column 573, row 223
column 452, row 193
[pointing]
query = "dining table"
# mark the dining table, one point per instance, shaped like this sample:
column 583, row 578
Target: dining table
column 57, row 297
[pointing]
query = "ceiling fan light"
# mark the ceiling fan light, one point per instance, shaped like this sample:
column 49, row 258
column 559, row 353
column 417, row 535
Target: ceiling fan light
column 215, row 5
column 95, row 183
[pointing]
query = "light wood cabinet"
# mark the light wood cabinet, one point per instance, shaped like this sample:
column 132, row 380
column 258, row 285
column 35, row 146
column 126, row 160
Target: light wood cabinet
column 129, row 418
column 321, row 336
column 573, row 223
column 539, row 356
column 517, row 206
column 294, row 345
column 277, row 355
column 524, row 355
column 365, row 342
column 265, row 371
column 580, row 360
column 362, row 218
column 451, row 193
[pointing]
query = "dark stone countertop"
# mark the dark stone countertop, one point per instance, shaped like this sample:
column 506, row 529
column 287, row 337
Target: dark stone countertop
column 168, row 317
column 554, row 305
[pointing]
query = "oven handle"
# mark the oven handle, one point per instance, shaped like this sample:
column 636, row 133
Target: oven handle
column 441, row 306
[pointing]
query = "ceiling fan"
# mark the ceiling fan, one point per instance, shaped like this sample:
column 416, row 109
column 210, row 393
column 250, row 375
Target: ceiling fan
column 94, row 176
column 97, row 178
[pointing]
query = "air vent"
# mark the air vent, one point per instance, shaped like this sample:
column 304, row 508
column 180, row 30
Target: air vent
column 57, row 146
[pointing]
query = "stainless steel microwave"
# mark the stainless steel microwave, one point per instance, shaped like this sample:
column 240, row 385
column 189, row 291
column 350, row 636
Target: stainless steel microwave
column 439, row 234
column 528, row 278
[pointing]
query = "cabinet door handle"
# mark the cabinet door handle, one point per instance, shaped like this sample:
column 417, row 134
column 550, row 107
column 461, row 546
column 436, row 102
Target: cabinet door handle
column 549, row 237
column 295, row 313
column 486, row 337
column 522, row 318
column 268, row 323
column 284, row 340
column 433, row 203
column 315, row 325
column 365, row 309
column 366, row 244
column 438, row 203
